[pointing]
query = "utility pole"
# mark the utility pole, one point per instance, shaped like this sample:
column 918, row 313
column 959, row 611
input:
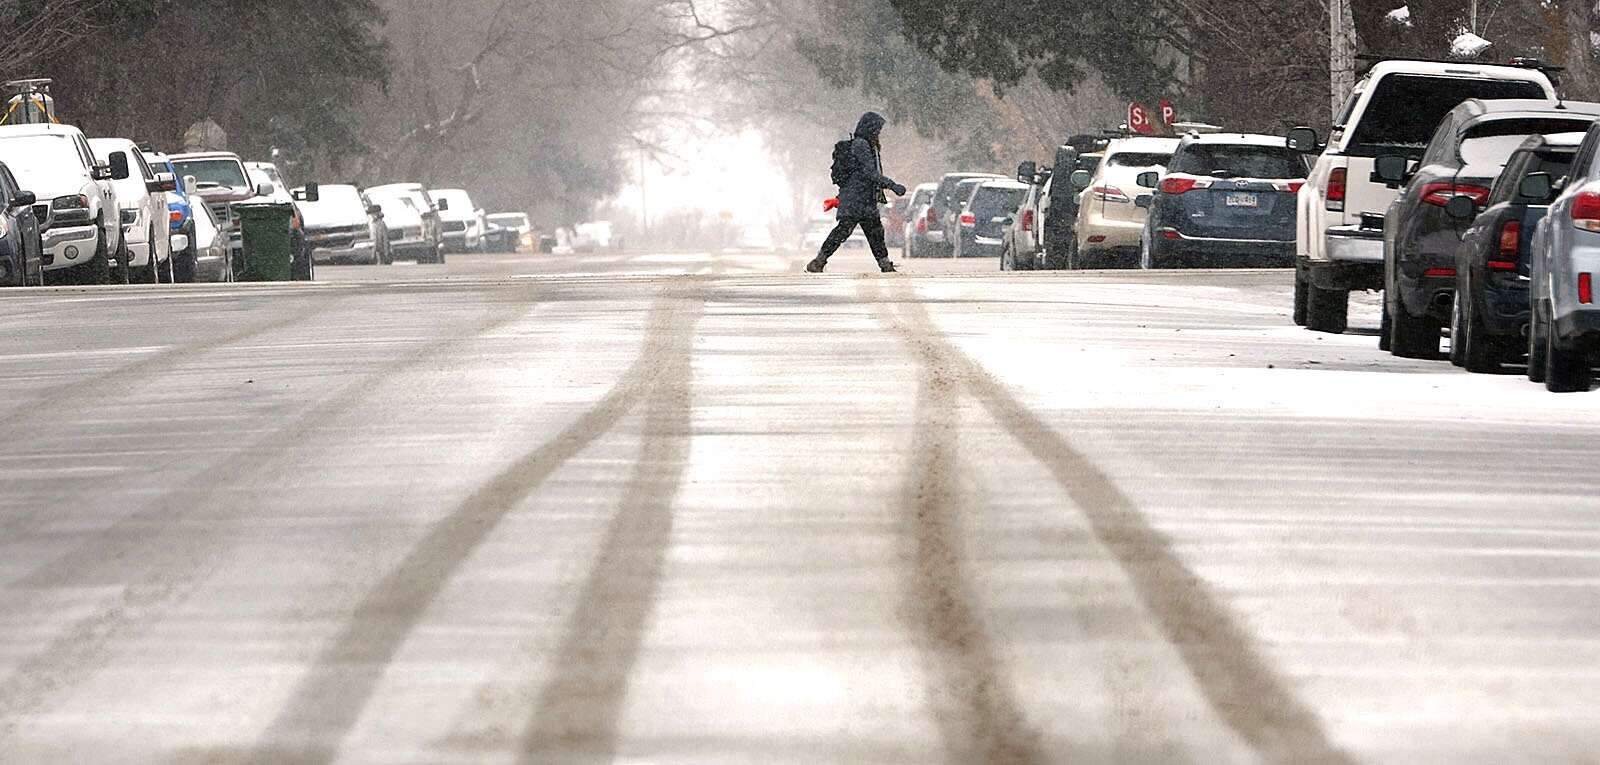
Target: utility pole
column 1341, row 52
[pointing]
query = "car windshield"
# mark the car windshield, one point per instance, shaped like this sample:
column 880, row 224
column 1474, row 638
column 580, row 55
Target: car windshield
column 1492, row 142
column 1239, row 161
column 991, row 202
column 1405, row 109
column 213, row 173
column 39, row 160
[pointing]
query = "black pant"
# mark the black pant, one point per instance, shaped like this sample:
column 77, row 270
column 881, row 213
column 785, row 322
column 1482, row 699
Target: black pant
column 872, row 227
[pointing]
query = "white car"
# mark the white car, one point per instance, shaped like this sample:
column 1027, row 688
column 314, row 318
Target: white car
column 142, row 206
column 916, row 243
column 459, row 220
column 338, row 226
column 76, row 207
column 408, row 233
column 1110, row 223
column 1395, row 108
column 213, row 260
column 817, row 232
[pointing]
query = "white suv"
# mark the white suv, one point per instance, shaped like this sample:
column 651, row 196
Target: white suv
column 1395, row 108
column 142, row 208
column 1110, row 224
column 77, row 209
column 458, row 218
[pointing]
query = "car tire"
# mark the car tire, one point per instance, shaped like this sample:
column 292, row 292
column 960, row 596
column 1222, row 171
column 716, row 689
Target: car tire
column 151, row 273
column 1327, row 310
column 1385, row 329
column 1564, row 371
column 1538, row 327
column 1300, row 288
column 98, row 270
column 1413, row 338
column 1458, row 332
column 1480, row 353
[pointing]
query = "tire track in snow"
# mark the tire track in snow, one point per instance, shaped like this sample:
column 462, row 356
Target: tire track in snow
column 170, row 571
column 328, row 701
column 1237, row 681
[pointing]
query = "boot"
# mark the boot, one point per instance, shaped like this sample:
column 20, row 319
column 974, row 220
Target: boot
column 887, row 266
column 816, row 266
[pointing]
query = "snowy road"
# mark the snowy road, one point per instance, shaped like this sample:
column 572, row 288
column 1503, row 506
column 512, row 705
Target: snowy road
column 702, row 509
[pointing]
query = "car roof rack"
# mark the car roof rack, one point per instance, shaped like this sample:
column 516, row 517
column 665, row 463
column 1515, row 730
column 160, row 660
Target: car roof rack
column 1370, row 60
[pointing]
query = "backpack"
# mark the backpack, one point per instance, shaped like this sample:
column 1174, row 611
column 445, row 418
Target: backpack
column 844, row 162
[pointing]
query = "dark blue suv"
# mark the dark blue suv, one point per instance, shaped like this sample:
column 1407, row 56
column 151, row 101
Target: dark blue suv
column 1227, row 200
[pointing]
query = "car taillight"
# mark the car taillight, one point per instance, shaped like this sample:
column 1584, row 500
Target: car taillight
column 933, row 217
column 1180, row 185
column 922, row 226
column 1586, row 288
column 1439, row 193
column 968, row 219
column 1586, row 211
column 1336, row 189
column 1108, row 194
column 1439, row 273
column 1510, row 243
column 1027, row 220
column 1293, row 187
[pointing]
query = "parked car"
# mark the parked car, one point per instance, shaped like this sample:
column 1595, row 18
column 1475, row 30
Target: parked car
column 1564, row 258
column 1227, row 200
column 914, row 240
column 1490, row 312
column 952, row 220
column 213, row 260
column 509, row 232
column 1394, row 109
column 180, row 217
column 594, row 236
column 1467, row 152
column 1110, row 225
column 984, row 218
column 947, row 202
column 458, row 218
column 422, row 239
column 1022, row 238
column 142, row 205
column 817, row 231
column 75, row 205
column 339, row 225
column 221, row 181
column 21, row 247
column 1059, row 206
column 894, row 221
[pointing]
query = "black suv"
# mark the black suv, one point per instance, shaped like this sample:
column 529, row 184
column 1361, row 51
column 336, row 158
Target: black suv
column 1468, row 151
column 1491, row 311
column 21, row 250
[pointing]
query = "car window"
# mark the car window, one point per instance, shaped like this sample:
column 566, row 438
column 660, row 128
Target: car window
column 1405, row 109
column 85, row 154
column 1139, row 159
column 8, row 184
column 144, row 167
column 992, row 202
column 214, row 173
column 1239, row 161
column 1491, row 142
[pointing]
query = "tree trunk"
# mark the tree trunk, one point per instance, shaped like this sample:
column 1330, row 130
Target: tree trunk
column 1569, row 25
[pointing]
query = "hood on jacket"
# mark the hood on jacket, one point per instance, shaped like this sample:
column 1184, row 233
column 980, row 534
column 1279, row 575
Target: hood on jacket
column 870, row 126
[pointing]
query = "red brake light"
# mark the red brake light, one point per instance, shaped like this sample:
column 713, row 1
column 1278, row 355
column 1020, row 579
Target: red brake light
column 1027, row 220
column 1181, row 184
column 1109, row 194
column 933, row 216
column 1439, row 193
column 1336, row 189
column 1510, row 240
column 1586, row 288
column 1439, row 272
column 968, row 219
column 1586, row 211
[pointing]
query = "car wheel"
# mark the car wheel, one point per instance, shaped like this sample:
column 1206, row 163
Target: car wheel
column 151, row 273
column 1145, row 259
column 1385, row 328
column 1327, row 310
column 1413, row 338
column 98, row 270
column 1564, row 371
column 1300, row 286
column 1458, row 333
column 1480, row 353
column 1538, row 326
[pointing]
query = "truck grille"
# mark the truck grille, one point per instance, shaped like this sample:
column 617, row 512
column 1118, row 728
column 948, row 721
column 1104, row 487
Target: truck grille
column 223, row 212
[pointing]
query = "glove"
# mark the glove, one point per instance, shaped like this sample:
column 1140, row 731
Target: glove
column 898, row 190
column 829, row 205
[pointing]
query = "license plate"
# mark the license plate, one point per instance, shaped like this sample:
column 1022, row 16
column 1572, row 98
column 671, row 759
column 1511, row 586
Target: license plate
column 1242, row 199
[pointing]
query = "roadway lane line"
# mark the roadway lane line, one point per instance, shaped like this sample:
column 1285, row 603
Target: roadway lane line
column 975, row 706
column 1238, row 682
column 85, row 646
column 330, row 697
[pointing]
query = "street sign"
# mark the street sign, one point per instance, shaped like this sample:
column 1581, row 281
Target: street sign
column 1139, row 119
column 1169, row 115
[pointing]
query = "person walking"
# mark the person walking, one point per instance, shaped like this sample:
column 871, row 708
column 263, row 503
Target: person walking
column 858, row 171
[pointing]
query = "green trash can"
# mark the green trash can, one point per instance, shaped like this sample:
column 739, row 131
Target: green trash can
column 268, row 242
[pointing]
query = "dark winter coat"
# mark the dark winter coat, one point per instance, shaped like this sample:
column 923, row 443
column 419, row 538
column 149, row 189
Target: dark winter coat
column 859, row 196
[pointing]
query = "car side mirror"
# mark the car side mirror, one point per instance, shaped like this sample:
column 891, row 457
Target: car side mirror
column 265, row 189
column 24, row 199
column 100, row 172
column 119, row 166
column 1536, row 186
column 311, row 193
column 1026, row 171
column 1461, row 207
column 1391, row 170
column 163, row 182
column 1148, row 179
column 442, row 204
column 1081, row 180
column 1144, row 201
column 375, row 210
column 180, row 242
column 1303, row 140
column 189, row 184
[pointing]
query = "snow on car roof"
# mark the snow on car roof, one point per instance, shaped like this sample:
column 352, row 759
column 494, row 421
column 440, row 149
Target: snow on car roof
column 1246, row 139
column 1564, row 139
column 1142, row 144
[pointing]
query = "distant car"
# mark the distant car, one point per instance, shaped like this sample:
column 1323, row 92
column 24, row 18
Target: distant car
column 338, row 226
column 1022, row 241
column 1110, row 226
column 593, row 236
column 1468, row 151
column 508, row 232
column 817, row 232
column 221, row 181
column 21, row 248
column 1490, row 315
column 1227, row 200
column 947, row 201
column 1564, row 259
column 76, row 207
column 894, row 221
column 983, row 219
column 458, row 219
column 914, row 240
column 952, row 220
column 423, row 238
column 142, row 208
column 213, row 260
column 180, row 217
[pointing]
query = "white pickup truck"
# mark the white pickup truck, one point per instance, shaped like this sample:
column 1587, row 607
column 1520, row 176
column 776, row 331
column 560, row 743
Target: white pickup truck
column 1395, row 108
